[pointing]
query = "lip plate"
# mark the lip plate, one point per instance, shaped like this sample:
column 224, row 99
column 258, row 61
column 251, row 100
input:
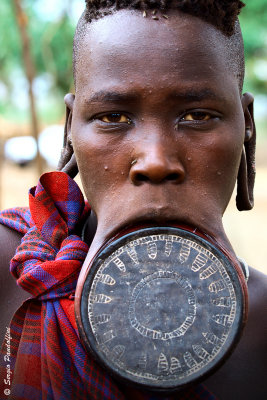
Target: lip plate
column 87, row 333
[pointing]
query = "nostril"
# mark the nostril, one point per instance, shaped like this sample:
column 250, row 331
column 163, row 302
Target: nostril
column 141, row 178
column 172, row 177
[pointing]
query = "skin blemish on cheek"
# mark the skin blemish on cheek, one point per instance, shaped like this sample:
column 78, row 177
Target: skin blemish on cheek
column 106, row 168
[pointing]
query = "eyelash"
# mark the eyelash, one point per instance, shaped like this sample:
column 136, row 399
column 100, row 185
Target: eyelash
column 192, row 113
column 114, row 115
column 210, row 116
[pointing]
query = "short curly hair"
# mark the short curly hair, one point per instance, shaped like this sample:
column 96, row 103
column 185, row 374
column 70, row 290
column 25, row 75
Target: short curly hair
column 222, row 14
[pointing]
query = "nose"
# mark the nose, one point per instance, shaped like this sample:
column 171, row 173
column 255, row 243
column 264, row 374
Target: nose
column 157, row 163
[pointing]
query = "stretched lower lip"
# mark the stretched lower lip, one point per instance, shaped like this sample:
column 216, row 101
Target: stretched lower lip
column 141, row 223
column 135, row 226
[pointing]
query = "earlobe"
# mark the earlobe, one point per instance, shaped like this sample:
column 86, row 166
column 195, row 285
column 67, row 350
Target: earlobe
column 246, row 173
column 247, row 104
column 67, row 162
column 69, row 102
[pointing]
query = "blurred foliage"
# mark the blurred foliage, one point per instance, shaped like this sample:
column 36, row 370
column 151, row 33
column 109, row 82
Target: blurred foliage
column 51, row 43
column 253, row 21
column 51, row 46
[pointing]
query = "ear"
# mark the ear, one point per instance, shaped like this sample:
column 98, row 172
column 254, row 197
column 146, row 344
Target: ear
column 67, row 162
column 246, row 173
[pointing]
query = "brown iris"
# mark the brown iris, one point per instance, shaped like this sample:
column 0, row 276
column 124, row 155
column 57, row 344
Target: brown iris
column 196, row 116
column 115, row 118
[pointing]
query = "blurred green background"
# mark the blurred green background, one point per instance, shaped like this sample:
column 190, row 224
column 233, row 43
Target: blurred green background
column 50, row 25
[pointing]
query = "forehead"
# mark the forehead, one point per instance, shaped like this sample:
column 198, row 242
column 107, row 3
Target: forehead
column 126, row 48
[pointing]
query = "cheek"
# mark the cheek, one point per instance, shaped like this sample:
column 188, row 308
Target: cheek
column 103, row 165
column 216, row 166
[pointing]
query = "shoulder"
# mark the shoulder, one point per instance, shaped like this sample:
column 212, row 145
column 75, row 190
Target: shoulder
column 14, row 223
column 11, row 296
column 244, row 373
column 10, row 240
column 256, row 328
column 257, row 287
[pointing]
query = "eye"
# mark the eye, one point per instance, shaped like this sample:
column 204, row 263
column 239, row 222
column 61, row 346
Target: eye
column 115, row 118
column 196, row 116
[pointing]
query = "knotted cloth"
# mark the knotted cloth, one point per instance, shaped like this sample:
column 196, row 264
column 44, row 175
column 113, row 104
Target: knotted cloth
column 47, row 360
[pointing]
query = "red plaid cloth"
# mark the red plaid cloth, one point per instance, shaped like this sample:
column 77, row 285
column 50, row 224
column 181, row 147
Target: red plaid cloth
column 47, row 360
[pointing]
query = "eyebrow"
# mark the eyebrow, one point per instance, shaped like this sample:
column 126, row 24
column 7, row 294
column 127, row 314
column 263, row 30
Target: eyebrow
column 113, row 97
column 186, row 95
column 196, row 95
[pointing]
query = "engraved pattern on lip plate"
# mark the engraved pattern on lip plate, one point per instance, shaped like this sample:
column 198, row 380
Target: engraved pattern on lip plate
column 161, row 309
